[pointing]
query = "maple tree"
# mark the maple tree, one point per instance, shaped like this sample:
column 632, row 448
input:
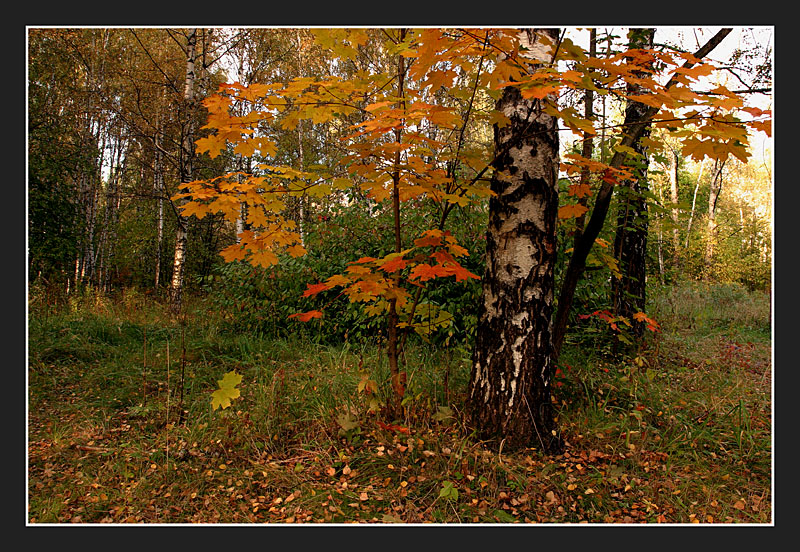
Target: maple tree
column 408, row 147
column 389, row 163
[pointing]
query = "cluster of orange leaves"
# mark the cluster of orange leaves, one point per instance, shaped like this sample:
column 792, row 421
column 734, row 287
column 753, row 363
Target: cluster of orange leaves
column 370, row 279
column 613, row 321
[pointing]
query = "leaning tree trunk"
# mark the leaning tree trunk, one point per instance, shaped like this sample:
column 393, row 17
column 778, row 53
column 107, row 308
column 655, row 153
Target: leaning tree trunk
column 509, row 391
column 186, row 158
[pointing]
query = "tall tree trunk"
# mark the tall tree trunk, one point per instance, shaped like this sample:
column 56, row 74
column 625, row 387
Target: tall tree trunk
column 711, row 226
column 241, row 220
column 92, row 181
column 660, row 251
column 111, row 214
column 301, row 161
column 393, row 334
column 587, row 148
column 158, row 188
column 660, row 235
column 509, row 391
column 186, row 170
column 694, row 203
column 673, row 188
column 630, row 241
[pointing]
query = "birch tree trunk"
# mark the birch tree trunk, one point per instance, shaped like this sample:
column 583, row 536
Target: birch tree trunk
column 186, row 159
column 711, row 227
column 107, row 245
column 694, row 203
column 673, row 188
column 158, row 188
column 509, row 391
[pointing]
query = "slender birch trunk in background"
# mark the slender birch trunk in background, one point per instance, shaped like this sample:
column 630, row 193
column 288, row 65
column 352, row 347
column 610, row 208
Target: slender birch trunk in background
column 673, row 188
column 158, row 189
column 711, row 225
column 186, row 170
column 694, row 202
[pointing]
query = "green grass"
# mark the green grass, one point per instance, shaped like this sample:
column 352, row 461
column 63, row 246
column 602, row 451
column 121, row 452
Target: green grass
column 681, row 435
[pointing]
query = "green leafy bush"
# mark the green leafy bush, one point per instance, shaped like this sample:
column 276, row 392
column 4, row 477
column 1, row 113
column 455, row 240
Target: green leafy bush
column 260, row 300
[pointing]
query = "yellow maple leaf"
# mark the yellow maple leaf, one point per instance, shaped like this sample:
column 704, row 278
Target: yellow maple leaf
column 337, row 280
column 264, row 258
column 221, row 398
column 212, row 144
column 342, row 183
column 195, row 208
column 296, row 250
column 245, row 148
column 233, row 252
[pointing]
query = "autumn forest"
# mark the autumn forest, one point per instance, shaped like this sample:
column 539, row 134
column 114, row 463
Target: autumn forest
column 390, row 275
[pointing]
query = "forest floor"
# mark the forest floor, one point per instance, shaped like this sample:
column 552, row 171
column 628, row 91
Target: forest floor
column 678, row 433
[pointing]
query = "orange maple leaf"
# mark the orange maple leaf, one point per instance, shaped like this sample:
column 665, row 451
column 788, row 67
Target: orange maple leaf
column 423, row 272
column 393, row 427
column 462, row 273
column 443, row 257
column 431, row 238
column 233, row 252
column 306, row 316
column 393, row 265
column 457, row 251
column 579, row 190
column 652, row 325
column 296, row 250
column 313, row 289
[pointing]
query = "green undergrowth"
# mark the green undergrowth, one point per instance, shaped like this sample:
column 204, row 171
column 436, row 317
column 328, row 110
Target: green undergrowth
column 679, row 432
